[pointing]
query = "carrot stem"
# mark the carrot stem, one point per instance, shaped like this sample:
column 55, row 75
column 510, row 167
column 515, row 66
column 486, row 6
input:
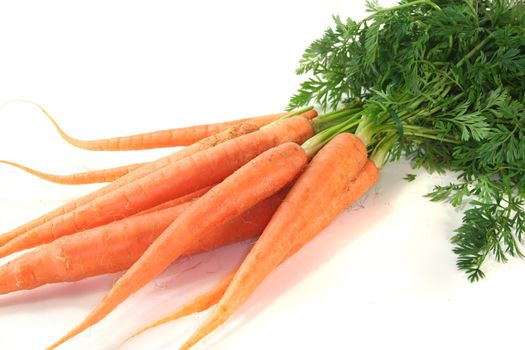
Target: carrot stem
column 319, row 140
column 291, row 114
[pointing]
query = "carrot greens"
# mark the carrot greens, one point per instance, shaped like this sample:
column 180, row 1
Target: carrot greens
column 441, row 83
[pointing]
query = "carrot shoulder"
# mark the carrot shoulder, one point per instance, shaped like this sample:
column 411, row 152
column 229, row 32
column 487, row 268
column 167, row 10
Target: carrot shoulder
column 260, row 178
column 116, row 246
column 143, row 171
column 88, row 177
column 190, row 174
column 313, row 202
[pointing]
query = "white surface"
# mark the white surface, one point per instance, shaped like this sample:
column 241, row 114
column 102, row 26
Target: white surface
column 381, row 276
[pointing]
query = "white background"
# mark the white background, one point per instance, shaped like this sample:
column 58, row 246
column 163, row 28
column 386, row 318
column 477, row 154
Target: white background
column 381, row 276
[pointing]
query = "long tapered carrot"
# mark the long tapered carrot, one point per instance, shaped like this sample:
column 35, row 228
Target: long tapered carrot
column 165, row 138
column 116, row 246
column 260, row 178
column 312, row 203
column 357, row 188
column 190, row 174
column 160, row 163
column 162, row 138
column 87, row 177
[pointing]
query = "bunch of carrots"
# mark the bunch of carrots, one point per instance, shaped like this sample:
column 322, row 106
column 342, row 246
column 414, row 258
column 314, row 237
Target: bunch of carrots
column 438, row 82
column 254, row 177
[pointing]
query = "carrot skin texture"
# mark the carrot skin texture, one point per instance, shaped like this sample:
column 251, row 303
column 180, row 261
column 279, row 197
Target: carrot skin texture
column 147, row 169
column 312, row 203
column 103, row 249
column 352, row 192
column 88, row 177
column 189, row 174
column 116, row 246
column 357, row 188
column 271, row 170
column 176, row 201
column 163, row 138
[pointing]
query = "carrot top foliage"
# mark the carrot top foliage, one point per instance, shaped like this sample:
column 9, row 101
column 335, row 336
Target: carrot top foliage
column 442, row 83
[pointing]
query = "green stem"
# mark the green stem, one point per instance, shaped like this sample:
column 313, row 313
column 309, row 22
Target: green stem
column 328, row 120
column 400, row 7
column 474, row 50
column 382, row 149
column 290, row 114
column 431, row 137
column 423, row 113
column 364, row 130
column 316, row 142
column 369, row 127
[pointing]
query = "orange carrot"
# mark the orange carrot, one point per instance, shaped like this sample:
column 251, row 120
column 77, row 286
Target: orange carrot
column 88, row 177
column 147, row 169
column 190, row 174
column 354, row 190
column 357, row 188
column 116, row 246
column 314, row 201
column 260, row 178
column 176, row 201
column 161, row 138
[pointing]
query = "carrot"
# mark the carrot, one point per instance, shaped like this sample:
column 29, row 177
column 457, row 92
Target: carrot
column 314, row 201
column 356, row 189
column 147, row 169
column 190, row 174
column 88, row 177
column 260, row 178
column 116, row 246
column 353, row 191
column 161, row 138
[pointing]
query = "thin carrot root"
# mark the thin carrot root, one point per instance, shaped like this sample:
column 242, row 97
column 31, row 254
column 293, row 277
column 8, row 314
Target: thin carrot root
column 278, row 166
column 198, row 304
column 161, row 138
column 147, row 169
column 88, row 177
column 329, row 178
